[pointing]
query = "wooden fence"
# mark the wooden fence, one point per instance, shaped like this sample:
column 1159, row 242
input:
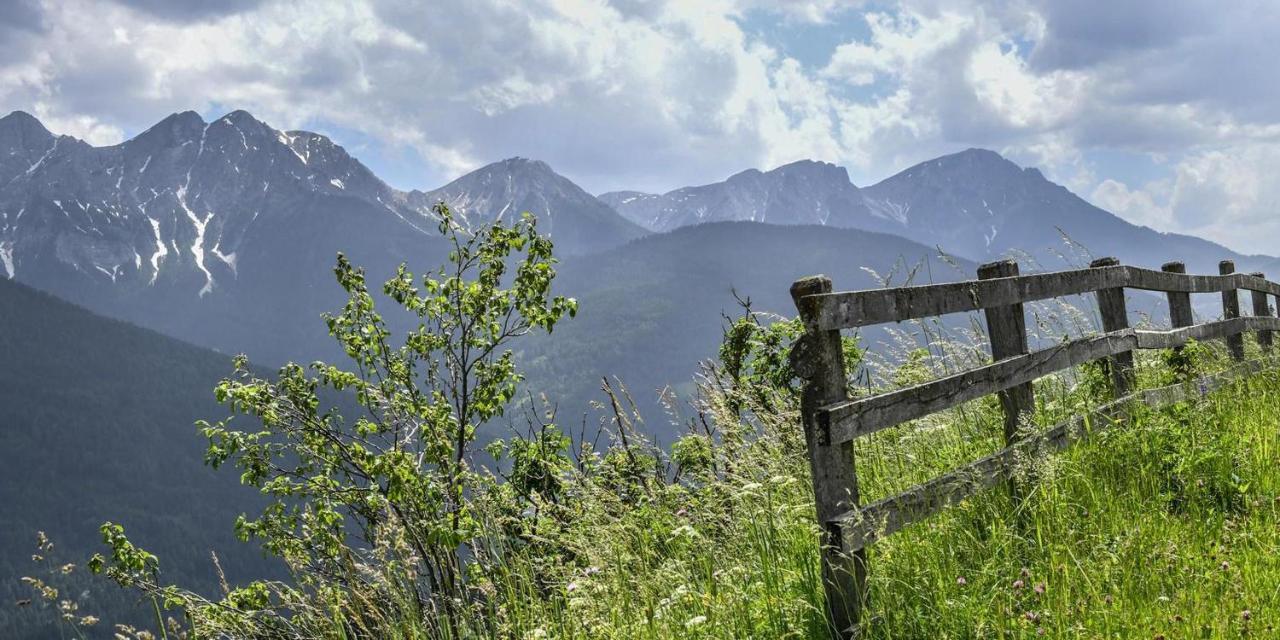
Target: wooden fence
column 832, row 420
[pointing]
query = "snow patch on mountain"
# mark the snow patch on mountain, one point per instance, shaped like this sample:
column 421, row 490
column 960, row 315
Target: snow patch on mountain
column 6, row 258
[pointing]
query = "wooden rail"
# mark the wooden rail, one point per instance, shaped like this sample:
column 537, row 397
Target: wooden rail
column 833, row 421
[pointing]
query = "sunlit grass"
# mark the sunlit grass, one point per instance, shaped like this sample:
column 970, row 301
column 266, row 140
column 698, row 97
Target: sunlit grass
column 1166, row 525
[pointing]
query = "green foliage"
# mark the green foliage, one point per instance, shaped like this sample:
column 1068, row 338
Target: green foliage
column 396, row 475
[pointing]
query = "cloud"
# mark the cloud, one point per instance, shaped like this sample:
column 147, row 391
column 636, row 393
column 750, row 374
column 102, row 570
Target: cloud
column 656, row 94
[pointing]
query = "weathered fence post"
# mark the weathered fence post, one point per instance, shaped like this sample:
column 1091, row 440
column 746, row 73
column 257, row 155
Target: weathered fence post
column 1179, row 304
column 835, row 481
column 1007, row 329
column 1262, row 309
column 1115, row 316
column 1231, row 310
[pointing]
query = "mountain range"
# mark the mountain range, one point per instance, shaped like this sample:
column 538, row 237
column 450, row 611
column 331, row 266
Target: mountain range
column 974, row 204
column 224, row 233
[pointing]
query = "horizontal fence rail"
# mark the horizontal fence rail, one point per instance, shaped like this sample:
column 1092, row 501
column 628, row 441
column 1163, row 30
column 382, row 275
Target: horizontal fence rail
column 854, row 418
column 832, row 420
column 852, row 309
column 864, row 525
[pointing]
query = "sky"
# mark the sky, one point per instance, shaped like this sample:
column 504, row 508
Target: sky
column 1166, row 113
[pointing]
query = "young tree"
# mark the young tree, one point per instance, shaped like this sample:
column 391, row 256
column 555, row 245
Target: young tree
column 375, row 503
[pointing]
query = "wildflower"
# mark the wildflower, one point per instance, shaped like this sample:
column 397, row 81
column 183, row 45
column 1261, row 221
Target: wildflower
column 67, row 568
column 1026, row 573
column 591, row 571
column 681, row 512
column 961, row 581
column 1040, row 588
column 571, row 587
column 88, row 621
column 1018, row 584
column 1225, row 565
column 1039, row 631
column 1107, row 599
column 695, row 621
column 1031, row 616
column 1246, row 615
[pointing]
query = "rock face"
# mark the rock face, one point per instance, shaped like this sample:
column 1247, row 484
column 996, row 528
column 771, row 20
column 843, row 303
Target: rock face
column 804, row 192
column 192, row 225
column 576, row 220
column 181, row 205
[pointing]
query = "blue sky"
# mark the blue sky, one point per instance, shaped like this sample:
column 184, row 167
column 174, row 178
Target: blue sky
column 1166, row 113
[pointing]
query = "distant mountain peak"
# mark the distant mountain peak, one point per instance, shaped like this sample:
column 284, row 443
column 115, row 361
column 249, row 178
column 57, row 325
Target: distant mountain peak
column 520, row 161
column 575, row 219
column 21, row 121
column 240, row 115
column 800, row 192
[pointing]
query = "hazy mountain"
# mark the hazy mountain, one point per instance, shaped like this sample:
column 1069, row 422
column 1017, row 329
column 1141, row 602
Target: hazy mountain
column 974, row 204
column 576, row 220
column 979, row 205
column 650, row 311
column 97, row 423
column 804, row 192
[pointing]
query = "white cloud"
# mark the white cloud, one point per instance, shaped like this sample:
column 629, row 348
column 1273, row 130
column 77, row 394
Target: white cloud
column 1139, row 206
column 83, row 126
column 1226, row 195
column 656, row 94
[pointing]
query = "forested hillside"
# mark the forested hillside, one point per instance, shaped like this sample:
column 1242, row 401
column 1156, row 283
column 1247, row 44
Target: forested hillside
column 96, row 424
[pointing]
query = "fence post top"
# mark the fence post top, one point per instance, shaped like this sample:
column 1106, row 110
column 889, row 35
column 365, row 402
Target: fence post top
column 998, row 269
column 1226, row 266
column 1174, row 267
column 1105, row 262
column 810, row 285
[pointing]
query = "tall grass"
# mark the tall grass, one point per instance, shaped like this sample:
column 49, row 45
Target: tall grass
column 1166, row 526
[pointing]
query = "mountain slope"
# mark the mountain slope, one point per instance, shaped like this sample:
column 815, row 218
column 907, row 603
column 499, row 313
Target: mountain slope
column 804, row 192
column 576, row 220
column 650, row 311
column 222, row 233
column 96, row 424
column 974, row 204
column 979, row 205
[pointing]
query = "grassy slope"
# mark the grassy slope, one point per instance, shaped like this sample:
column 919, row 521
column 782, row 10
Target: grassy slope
column 1170, row 526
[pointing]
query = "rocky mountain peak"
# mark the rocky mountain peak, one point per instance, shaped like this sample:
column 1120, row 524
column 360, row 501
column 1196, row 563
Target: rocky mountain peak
column 575, row 219
column 21, row 128
column 802, row 192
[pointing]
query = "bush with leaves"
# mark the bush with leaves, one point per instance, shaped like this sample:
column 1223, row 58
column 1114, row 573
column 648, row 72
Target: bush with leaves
column 371, row 511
